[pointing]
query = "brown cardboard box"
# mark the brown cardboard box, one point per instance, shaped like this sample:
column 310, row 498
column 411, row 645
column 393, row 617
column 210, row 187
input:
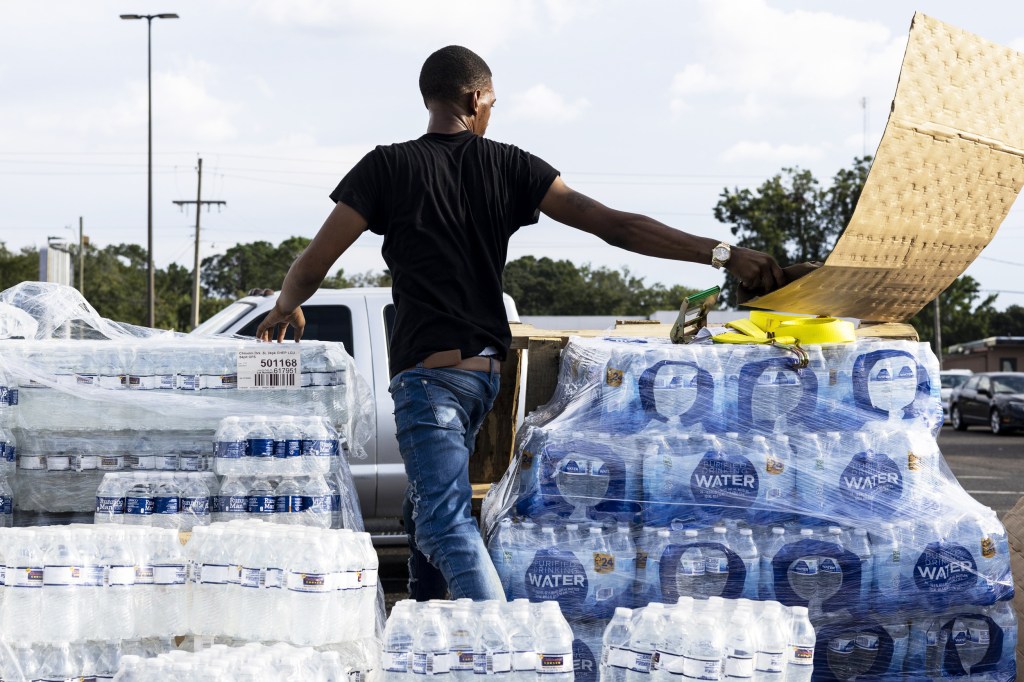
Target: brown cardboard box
column 1014, row 521
column 948, row 169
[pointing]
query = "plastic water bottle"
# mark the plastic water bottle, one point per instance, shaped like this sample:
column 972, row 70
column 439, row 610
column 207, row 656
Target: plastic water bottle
column 900, row 633
column 166, row 502
column 462, row 630
column 803, row 573
column 195, row 503
column 670, row 656
column 716, row 563
column 316, row 502
column 318, row 445
column 232, row 501
column 261, row 503
column 773, row 643
column 690, row 575
column 747, row 551
column 830, row 574
column 886, row 550
column 859, row 544
column 259, row 447
column 644, row 639
column 229, row 447
column 138, row 502
column 554, row 644
column 396, row 659
column 492, row 651
column 624, row 551
column 60, row 591
column 501, row 553
column 615, row 654
column 6, row 503
column 704, row 651
column 521, row 641
column 288, row 506
column 430, row 644
column 773, row 543
column 801, row 649
column 741, row 645
column 288, row 447
column 599, row 571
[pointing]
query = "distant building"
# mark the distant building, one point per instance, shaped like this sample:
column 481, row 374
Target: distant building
column 994, row 354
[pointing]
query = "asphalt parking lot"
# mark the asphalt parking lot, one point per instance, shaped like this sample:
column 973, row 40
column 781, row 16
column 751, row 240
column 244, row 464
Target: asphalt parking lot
column 990, row 468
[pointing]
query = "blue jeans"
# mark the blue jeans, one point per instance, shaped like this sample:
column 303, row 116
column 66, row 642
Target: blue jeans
column 438, row 413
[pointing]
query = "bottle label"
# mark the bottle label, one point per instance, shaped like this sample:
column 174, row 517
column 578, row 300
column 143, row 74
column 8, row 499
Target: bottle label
column 167, row 462
column 770, row 661
column 273, row 578
column 494, row 663
column 104, row 463
column 169, row 574
column 461, row 659
column 978, row 634
column 287, row 504
column 91, row 576
column 222, row 381
column 200, row 506
column 370, row 577
column 524, row 661
column 430, row 663
column 121, row 576
column 259, row 447
column 262, row 504
column 690, row 567
column 188, row 382
column 233, row 504
column 58, row 463
column 89, row 463
column 801, row 655
column 6, row 504
column 347, row 580
column 25, row 576
column 165, row 505
column 144, row 575
column 289, row 447
column 316, row 447
column 842, row 645
column 716, row 564
column 32, row 462
column 137, row 382
column 233, row 449
column 317, row 583
column 806, row 566
column 669, row 663
column 829, row 565
column 140, row 506
column 552, row 664
column 739, row 667
column 250, row 577
column 164, row 382
column 317, row 503
column 212, row 574
column 702, row 669
column 867, row 641
column 188, row 462
column 640, row 662
column 395, row 661
column 60, row 576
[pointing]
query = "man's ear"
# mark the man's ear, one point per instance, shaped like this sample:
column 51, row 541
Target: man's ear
column 474, row 102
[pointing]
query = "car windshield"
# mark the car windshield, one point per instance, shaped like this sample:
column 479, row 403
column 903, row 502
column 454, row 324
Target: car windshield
column 1014, row 384
column 953, row 380
column 223, row 319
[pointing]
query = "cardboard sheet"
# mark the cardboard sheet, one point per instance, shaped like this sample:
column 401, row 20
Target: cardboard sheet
column 948, row 169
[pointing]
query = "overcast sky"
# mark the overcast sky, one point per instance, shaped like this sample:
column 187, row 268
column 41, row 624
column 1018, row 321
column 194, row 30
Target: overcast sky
column 647, row 106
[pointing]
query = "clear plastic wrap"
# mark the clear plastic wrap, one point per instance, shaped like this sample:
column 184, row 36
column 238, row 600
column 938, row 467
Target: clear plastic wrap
column 659, row 471
column 95, row 396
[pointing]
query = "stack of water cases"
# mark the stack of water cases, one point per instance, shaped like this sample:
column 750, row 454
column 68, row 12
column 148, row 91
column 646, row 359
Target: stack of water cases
column 152, row 406
column 8, row 446
column 660, row 471
column 77, row 597
column 282, row 469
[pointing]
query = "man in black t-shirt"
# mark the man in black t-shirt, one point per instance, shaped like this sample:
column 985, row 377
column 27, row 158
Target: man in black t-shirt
column 447, row 204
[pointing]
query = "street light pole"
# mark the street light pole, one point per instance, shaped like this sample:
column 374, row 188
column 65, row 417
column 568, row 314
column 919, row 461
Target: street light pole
column 151, row 277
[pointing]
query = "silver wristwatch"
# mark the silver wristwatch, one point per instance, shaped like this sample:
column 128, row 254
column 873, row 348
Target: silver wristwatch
column 720, row 255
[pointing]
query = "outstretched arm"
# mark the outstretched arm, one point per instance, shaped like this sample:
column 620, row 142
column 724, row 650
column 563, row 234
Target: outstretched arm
column 634, row 232
column 342, row 227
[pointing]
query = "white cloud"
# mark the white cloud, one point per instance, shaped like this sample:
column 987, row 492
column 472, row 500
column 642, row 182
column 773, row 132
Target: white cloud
column 754, row 49
column 775, row 153
column 1018, row 44
column 410, row 24
column 541, row 103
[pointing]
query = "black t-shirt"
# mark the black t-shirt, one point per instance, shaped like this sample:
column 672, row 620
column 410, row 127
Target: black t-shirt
column 446, row 206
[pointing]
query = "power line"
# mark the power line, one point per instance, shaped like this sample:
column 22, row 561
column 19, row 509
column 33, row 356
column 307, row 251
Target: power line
column 1004, row 262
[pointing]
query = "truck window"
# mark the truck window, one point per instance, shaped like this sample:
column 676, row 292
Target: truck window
column 323, row 323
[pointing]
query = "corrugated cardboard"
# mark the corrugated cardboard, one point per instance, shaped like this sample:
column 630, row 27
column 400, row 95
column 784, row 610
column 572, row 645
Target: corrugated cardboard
column 948, row 169
column 1014, row 522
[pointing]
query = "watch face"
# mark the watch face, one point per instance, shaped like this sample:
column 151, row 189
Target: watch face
column 721, row 252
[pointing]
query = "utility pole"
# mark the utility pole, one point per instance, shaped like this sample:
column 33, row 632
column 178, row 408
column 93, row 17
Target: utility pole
column 81, row 258
column 199, row 202
column 864, row 143
column 938, row 332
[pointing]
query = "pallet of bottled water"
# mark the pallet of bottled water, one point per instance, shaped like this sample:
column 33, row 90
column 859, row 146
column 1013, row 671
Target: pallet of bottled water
column 710, row 639
column 465, row 640
column 811, row 477
column 86, row 408
column 252, row 662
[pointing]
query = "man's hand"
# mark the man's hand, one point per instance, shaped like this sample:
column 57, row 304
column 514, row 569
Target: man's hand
column 756, row 272
column 280, row 319
column 790, row 274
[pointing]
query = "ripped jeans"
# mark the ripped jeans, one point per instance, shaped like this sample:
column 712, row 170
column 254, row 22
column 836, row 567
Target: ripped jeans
column 438, row 413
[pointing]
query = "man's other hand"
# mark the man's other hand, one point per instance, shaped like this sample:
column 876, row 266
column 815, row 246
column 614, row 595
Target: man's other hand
column 755, row 271
column 791, row 274
column 278, row 320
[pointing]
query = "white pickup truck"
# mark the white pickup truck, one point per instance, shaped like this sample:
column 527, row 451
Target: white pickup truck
column 362, row 319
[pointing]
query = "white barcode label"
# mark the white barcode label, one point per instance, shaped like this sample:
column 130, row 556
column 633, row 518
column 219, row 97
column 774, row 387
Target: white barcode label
column 274, row 366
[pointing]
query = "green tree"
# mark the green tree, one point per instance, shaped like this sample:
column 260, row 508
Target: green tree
column 245, row 266
column 791, row 216
column 18, row 267
column 1009, row 322
column 965, row 314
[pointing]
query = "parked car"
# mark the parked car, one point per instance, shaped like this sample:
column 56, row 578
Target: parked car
column 362, row 319
column 951, row 378
column 993, row 398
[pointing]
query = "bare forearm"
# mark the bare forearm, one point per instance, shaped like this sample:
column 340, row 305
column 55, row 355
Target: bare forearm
column 640, row 234
column 299, row 284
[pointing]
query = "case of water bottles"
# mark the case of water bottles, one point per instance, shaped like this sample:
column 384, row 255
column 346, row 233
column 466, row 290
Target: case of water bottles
column 94, row 396
column 808, row 476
